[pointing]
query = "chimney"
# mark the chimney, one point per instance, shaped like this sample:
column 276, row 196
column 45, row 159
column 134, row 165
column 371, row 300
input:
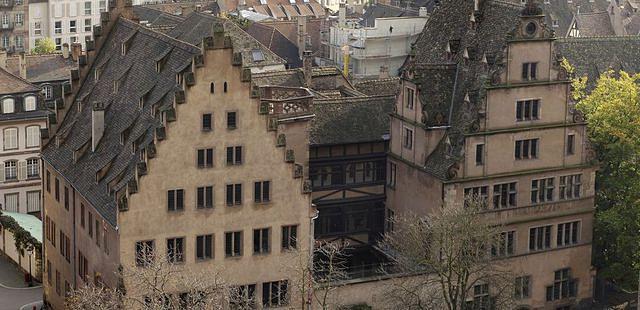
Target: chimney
column 22, row 64
column 307, row 64
column 384, row 72
column 302, row 35
column 97, row 124
column 76, row 51
column 65, row 50
column 3, row 59
column 422, row 12
column 342, row 15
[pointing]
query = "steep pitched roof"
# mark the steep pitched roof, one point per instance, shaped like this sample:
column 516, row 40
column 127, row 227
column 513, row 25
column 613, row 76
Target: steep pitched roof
column 563, row 12
column 196, row 26
column 379, row 87
column 11, row 84
column 123, row 118
column 43, row 68
column 275, row 41
column 350, row 119
column 595, row 24
column 382, row 10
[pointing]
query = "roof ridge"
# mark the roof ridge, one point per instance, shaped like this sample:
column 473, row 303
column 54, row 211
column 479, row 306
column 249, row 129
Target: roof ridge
column 19, row 78
column 506, row 3
column 353, row 99
column 601, row 38
column 593, row 13
column 156, row 34
column 377, row 80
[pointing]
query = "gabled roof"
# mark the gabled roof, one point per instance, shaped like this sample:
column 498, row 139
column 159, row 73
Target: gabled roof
column 594, row 24
column 11, row 84
column 43, row 68
column 137, row 72
column 563, row 12
column 275, row 41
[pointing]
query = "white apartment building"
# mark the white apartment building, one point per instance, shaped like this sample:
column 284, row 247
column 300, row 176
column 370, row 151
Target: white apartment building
column 385, row 45
column 65, row 21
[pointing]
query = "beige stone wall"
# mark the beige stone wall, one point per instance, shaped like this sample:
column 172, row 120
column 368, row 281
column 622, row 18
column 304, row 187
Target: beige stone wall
column 174, row 167
column 415, row 191
column 8, row 248
column 528, row 51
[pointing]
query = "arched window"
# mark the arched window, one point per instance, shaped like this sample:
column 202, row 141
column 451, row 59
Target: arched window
column 30, row 103
column 212, row 88
column 10, row 137
column 8, row 105
column 225, row 87
column 33, row 136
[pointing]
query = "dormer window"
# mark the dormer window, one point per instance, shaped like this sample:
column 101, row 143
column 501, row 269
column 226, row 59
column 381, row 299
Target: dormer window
column 158, row 66
column 47, row 91
column 30, row 103
column 555, row 24
column 116, row 86
column 8, row 105
column 124, row 48
column 97, row 74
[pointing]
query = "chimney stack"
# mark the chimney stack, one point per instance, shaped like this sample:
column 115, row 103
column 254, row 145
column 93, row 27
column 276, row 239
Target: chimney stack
column 342, row 15
column 22, row 63
column 307, row 65
column 65, row 50
column 423, row 12
column 76, row 51
column 302, row 35
column 384, row 72
column 97, row 124
column 3, row 59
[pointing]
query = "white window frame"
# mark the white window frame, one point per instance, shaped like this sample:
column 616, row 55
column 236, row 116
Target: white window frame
column 30, row 103
column 8, row 105
column 10, row 142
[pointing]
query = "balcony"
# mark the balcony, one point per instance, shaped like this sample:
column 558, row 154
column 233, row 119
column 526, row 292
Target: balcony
column 285, row 101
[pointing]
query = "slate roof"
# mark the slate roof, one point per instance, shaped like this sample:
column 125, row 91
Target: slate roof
column 276, row 42
column 123, row 118
column 197, row 26
column 593, row 56
column 11, row 84
column 43, row 68
column 350, row 120
column 595, row 24
column 563, row 12
column 379, row 87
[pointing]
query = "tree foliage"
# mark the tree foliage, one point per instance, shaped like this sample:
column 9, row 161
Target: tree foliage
column 449, row 256
column 44, row 46
column 612, row 109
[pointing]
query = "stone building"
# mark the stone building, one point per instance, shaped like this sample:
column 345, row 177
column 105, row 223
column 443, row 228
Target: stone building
column 120, row 172
column 14, row 29
column 23, row 116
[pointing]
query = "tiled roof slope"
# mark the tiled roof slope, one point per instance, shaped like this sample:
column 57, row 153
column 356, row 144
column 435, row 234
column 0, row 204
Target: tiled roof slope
column 593, row 56
column 445, row 83
column 595, row 24
column 43, row 68
column 350, row 120
column 276, row 42
column 137, row 72
column 379, row 87
column 197, row 26
column 11, row 84
column 155, row 16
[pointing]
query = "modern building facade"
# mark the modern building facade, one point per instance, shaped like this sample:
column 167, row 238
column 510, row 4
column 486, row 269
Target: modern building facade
column 71, row 21
column 14, row 29
column 119, row 161
column 23, row 116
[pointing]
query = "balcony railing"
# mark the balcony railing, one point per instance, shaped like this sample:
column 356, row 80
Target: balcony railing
column 290, row 101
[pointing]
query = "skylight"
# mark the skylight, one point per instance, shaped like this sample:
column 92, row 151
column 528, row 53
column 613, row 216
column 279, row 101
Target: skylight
column 257, row 55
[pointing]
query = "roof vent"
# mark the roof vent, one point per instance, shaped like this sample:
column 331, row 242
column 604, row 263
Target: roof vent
column 97, row 124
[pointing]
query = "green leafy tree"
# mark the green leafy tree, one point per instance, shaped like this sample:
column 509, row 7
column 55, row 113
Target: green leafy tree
column 612, row 109
column 44, row 46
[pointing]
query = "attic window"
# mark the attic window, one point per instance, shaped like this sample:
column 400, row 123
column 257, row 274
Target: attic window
column 554, row 23
column 159, row 66
column 257, row 55
column 98, row 72
column 116, row 86
column 179, row 78
column 124, row 48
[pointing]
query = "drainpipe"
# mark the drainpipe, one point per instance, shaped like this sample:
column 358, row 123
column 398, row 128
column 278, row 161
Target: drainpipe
column 312, row 218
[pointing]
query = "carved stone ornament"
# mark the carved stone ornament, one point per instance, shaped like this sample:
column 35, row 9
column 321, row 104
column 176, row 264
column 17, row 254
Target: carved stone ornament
column 281, row 140
column 306, row 186
column 452, row 171
column 496, row 77
column 298, row 171
column 289, row 156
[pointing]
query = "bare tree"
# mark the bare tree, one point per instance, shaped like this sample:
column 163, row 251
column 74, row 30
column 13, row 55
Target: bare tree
column 157, row 282
column 329, row 270
column 448, row 259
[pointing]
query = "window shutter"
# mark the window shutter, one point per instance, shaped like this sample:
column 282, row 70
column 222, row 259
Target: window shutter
column 2, row 175
column 22, row 170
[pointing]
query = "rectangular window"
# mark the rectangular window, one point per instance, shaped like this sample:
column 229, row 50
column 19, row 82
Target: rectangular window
column 275, row 294
column 233, row 244
column 392, row 174
column 234, row 155
column 570, row 186
column 571, row 144
column 97, row 233
column 49, row 272
column 89, row 224
column 87, row 8
column 82, row 215
column 12, row 202
column 175, row 250
column 262, row 191
column 522, row 287
column 529, row 71
column 481, row 298
column 37, row 28
column 145, row 253
column 204, row 197
column 48, row 181
column 527, row 110
column 103, row 5
column 243, row 297
column 409, row 94
column 72, row 26
column 526, row 149
column 204, row 247
column 289, row 237
column 504, row 245
column 477, row 194
column 33, row 201
column 563, row 285
column 232, row 121
column 408, row 138
column 540, row 238
column 33, row 168
column 87, row 24
column 206, row 122
column 234, row 194
column 504, row 195
column 542, row 190
column 205, row 158
column 66, row 198
column 10, row 134
column 57, row 190
column 261, row 241
column 58, row 282
column 10, row 170
column 479, row 154
column 175, row 200
column 57, row 27
column 568, row 233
